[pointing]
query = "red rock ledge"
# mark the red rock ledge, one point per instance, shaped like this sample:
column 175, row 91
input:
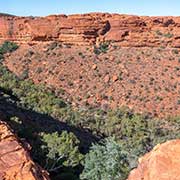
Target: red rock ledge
column 15, row 162
column 90, row 29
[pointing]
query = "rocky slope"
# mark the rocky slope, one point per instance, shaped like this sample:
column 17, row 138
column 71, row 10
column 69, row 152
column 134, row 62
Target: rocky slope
column 88, row 29
column 15, row 162
column 144, row 79
column 162, row 163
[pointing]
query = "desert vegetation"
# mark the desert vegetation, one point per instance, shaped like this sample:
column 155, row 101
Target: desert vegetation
column 120, row 135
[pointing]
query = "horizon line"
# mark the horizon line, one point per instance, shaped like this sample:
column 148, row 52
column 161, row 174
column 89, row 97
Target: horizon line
column 86, row 13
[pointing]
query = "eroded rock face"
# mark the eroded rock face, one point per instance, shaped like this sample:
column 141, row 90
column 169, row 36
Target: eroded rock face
column 162, row 163
column 15, row 162
column 89, row 29
column 74, row 29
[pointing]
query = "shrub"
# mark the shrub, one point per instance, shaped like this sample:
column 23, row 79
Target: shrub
column 62, row 150
column 1, row 57
column 137, row 133
column 8, row 46
column 105, row 162
column 159, row 33
column 35, row 97
column 168, row 35
column 102, row 48
column 175, row 51
column 24, row 75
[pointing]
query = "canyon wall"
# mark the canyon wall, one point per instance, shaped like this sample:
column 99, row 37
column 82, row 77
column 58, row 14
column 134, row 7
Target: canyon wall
column 15, row 162
column 90, row 29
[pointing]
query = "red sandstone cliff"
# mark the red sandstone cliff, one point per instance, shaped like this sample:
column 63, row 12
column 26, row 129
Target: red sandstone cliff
column 162, row 163
column 15, row 162
column 88, row 29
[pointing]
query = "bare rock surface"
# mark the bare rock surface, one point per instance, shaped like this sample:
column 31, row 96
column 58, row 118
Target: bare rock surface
column 92, row 28
column 15, row 162
column 162, row 163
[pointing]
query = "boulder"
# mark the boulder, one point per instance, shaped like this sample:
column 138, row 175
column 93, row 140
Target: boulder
column 162, row 163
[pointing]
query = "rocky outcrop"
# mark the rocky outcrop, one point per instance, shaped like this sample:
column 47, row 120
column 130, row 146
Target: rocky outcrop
column 162, row 163
column 74, row 29
column 15, row 162
column 89, row 29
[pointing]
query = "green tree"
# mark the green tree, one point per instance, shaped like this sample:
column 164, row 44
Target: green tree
column 105, row 161
column 6, row 47
column 61, row 150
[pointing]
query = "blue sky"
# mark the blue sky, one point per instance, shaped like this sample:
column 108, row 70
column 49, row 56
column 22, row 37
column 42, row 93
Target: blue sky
column 46, row 7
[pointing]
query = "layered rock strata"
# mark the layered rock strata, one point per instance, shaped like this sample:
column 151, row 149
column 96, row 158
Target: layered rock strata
column 15, row 162
column 90, row 29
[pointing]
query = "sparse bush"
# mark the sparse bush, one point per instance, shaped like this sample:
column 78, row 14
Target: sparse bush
column 81, row 55
column 175, row 51
column 178, row 101
column 39, row 70
column 24, row 75
column 102, row 48
column 52, row 46
column 16, row 120
column 168, row 35
column 159, row 33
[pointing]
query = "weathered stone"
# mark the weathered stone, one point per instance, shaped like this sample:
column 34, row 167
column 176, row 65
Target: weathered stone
column 15, row 162
column 162, row 163
column 94, row 67
column 106, row 79
column 114, row 78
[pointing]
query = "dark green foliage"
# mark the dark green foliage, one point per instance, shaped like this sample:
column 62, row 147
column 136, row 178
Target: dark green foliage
column 67, row 174
column 138, row 134
column 175, row 51
column 1, row 57
column 35, row 97
column 102, row 48
column 106, row 161
column 53, row 151
column 7, row 47
column 62, row 150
